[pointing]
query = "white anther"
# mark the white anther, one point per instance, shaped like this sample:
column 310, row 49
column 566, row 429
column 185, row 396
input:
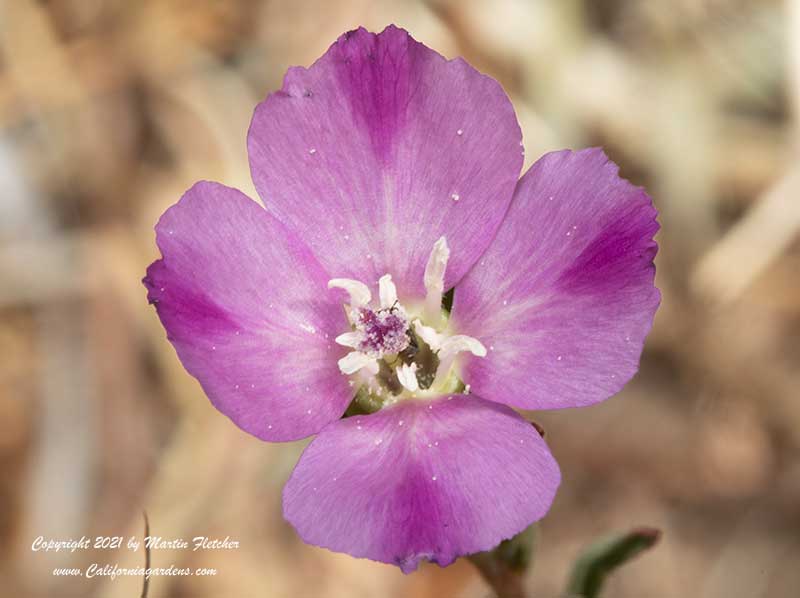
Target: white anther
column 387, row 291
column 358, row 291
column 429, row 335
column 451, row 347
column 355, row 361
column 349, row 339
column 461, row 342
column 407, row 376
column 434, row 280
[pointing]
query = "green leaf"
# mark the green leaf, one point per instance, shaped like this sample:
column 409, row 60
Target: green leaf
column 601, row 558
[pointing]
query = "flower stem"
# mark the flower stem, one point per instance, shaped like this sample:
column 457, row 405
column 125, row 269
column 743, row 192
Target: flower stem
column 505, row 582
column 505, row 568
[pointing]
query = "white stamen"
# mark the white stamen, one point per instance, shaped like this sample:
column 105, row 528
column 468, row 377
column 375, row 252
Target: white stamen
column 355, row 361
column 348, row 339
column 432, row 338
column 462, row 342
column 407, row 376
column 387, row 291
column 375, row 331
column 451, row 347
column 358, row 291
column 434, row 280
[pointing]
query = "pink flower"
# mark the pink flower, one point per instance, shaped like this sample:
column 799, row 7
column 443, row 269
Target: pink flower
column 385, row 167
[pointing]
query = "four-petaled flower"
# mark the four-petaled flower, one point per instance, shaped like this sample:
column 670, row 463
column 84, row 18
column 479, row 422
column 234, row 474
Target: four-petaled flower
column 384, row 166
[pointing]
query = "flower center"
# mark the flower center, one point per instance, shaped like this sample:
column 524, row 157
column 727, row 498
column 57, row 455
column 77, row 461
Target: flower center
column 383, row 331
column 398, row 353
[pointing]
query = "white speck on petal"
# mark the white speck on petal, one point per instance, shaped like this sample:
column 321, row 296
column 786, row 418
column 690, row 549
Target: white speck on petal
column 378, row 441
column 558, row 358
column 308, row 328
column 460, row 132
column 455, row 197
column 433, row 478
column 312, row 151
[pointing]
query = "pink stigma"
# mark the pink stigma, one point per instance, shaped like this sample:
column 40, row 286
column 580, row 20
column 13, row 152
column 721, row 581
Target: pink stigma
column 384, row 331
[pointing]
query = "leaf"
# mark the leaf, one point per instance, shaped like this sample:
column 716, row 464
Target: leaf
column 603, row 556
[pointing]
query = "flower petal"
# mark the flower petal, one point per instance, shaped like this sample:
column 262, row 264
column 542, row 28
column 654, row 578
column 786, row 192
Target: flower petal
column 247, row 308
column 564, row 296
column 421, row 480
column 366, row 152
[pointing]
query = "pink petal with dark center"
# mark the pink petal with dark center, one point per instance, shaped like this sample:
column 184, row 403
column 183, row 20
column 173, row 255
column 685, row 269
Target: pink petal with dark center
column 429, row 480
column 247, row 308
column 564, row 296
column 380, row 148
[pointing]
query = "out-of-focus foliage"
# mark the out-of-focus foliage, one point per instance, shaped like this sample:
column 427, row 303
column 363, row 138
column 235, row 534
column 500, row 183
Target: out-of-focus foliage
column 110, row 109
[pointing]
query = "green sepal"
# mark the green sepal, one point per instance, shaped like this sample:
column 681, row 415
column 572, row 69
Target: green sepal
column 506, row 566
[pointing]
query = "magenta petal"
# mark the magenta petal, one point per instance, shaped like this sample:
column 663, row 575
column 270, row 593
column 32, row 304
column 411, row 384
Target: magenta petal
column 421, row 480
column 564, row 296
column 381, row 147
column 247, row 309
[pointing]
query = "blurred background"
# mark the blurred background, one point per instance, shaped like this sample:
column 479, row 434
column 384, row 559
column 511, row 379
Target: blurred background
column 110, row 109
